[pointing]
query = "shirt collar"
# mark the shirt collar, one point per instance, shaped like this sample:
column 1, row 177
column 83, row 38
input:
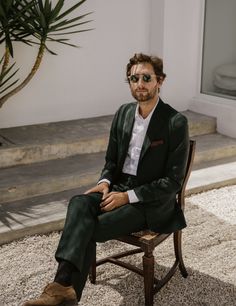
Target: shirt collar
column 138, row 116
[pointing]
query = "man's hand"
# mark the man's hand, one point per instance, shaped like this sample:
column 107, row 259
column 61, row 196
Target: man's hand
column 113, row 200
column 102, row 188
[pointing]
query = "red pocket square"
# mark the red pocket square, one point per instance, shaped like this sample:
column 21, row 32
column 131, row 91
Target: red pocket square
column 156, row 143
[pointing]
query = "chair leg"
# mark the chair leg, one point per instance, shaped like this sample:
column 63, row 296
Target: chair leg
column 92, row 272
column 148, row 271
column 178, row 252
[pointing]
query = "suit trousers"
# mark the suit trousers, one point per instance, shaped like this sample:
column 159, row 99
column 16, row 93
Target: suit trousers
column 86, row 224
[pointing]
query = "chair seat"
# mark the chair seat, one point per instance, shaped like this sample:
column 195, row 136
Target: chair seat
column 145, row 235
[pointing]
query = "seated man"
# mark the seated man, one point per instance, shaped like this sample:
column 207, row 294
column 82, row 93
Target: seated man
column 144, row 169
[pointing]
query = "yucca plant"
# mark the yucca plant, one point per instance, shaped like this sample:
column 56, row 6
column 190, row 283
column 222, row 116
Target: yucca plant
column 33, row 22
column 10, row 14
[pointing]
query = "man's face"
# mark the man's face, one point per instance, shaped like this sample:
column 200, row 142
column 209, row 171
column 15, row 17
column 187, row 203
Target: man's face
column 143, row 82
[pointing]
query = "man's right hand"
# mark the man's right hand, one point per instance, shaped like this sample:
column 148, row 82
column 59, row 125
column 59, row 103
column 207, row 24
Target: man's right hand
column 102, row 188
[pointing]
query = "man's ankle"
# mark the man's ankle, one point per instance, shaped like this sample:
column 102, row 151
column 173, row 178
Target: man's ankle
column 64, row 273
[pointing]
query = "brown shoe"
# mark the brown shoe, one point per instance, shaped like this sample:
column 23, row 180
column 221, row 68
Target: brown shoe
column 55, row 294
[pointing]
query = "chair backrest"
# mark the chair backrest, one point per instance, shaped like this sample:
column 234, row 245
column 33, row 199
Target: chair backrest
column 181, row 193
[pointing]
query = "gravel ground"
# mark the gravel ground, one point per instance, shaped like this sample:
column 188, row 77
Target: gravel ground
column 209, row 249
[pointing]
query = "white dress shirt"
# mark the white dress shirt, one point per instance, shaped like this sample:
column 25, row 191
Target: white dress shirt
column 135, row 146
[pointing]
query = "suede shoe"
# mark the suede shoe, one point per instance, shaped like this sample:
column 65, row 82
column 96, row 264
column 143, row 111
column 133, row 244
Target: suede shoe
column 55, row 294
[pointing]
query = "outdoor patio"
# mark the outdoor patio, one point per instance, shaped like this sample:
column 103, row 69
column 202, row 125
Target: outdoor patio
column 54, row 134
column 209, row 249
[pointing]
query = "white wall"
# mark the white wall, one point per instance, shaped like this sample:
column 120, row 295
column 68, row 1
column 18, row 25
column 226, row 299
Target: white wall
column 89, row 81
column 181, row 51
column 180, row 43
column 157, row 27
column 83, row 82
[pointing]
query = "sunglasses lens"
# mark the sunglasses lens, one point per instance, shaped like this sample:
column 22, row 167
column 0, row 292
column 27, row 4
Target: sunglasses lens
column 134, row 78
column 147, row 78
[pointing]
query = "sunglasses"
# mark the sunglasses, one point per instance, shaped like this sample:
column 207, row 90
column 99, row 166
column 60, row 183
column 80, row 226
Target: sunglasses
column 134, row 78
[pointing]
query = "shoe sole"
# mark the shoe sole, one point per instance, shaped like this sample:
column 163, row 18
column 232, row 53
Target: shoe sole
column 69, row 303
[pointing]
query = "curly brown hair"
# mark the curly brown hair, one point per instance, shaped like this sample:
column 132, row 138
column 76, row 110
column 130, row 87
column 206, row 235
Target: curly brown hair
column 155, row 61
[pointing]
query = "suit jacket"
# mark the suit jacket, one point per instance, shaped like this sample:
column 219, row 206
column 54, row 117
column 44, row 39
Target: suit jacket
column 161, row 166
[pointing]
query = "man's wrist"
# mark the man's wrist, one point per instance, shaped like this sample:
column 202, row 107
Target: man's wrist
column 126, row 197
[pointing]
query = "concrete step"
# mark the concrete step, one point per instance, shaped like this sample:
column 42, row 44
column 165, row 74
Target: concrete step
column 212, row 174
column 26, row 181
column 213, row 147
column 42, row 142
column 200, row 124
column 44, row 214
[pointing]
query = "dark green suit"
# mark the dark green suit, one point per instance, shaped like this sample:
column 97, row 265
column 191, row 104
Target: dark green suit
column 159, row 177
column 161, row 166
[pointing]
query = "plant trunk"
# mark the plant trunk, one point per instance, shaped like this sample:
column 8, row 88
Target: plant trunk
column 6, row 61
column 28, row 78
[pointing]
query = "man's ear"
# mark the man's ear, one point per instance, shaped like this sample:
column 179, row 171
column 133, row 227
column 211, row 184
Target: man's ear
column 160, row 80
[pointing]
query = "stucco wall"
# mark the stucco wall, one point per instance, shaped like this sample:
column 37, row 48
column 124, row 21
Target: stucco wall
column 181, row 50
column 89, row 81
column 84, row 82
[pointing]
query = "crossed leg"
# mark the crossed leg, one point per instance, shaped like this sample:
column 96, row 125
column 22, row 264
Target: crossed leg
column 86, row 224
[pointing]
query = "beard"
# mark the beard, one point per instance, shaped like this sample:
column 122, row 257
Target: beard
column 145, row 95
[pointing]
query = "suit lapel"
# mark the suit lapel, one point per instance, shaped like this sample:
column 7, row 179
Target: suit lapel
column 127, row 130
column 146, row 145
column 154, row 128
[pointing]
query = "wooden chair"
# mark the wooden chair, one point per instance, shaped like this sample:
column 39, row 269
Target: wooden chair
column 146, row 241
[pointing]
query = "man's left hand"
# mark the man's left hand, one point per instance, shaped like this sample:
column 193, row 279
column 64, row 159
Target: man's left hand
column 113, row 200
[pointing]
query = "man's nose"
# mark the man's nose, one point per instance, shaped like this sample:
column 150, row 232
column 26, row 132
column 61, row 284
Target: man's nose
column 141, row 83
column 140, row 80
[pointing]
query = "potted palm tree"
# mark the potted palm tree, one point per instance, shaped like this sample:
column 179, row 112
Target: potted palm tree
column 33, row 22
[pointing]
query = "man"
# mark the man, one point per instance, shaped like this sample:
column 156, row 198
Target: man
column 144, row 169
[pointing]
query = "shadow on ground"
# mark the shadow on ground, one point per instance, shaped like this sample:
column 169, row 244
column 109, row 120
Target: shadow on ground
column 197, row 289
column 209, row 248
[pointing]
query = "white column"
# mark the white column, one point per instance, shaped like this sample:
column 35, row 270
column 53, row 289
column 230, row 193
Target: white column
column 157, row 27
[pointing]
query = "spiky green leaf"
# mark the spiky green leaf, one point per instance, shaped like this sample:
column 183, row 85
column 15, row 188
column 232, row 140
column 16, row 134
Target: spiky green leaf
column 71, row 26
column 57, row 9
column 66, row 22
column 72, row 32
column 9, row 77
column 6, row 72
column 70, row 10
column 9, row 86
